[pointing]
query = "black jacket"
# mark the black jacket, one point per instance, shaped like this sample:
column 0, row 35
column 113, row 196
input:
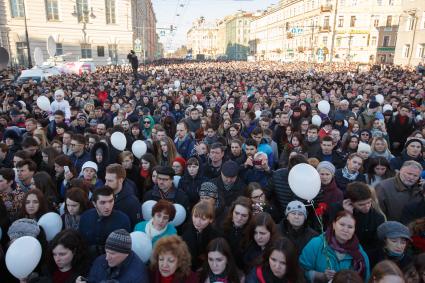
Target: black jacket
column 101, row 167
column 229, row 195
column 198, row 242
column 342, row 182
column 278, row 189
column 337, row 160
column 127, row 202
column 173, row 196
column 413, row 211
column 191, row 185
column 299, row 237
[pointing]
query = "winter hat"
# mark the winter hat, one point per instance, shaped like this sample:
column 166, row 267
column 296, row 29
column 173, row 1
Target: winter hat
column 23, row 227
column 208, row 189
column 326, row 165
column 296, row 205
column 89, row 164
column 373, row 104
column 230, row 168
column 59, row 92
column 386, row 108
column 119, row 241
column 393, row 229
column 165, row 170
column 364, row 147
column 409, row 141
column 180, row 160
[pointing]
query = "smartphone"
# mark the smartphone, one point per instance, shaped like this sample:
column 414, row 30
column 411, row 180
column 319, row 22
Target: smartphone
column 66, row 169
column 257, row 162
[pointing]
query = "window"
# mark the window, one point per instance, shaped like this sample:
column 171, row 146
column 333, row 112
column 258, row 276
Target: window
column 326, row 22
column 83, row 11
column 17, row 8
column 376, row 23
column 421, row 51
column 52, row 10
column 113, row 53
column 21, row 49
column 101, row 51
column 373, row 41
column 325, row 40
column 386, row 41
column 59, row 49
column 406, row 50
column 86, row 51
column 389, row 21
column 338, row 41
column 410, row 23
column 391, row 2
column 379, row 2
column 110, row 11
column 353, row 21
column 341, row 22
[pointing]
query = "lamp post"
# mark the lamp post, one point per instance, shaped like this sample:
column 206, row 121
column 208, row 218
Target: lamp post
column 26, row 37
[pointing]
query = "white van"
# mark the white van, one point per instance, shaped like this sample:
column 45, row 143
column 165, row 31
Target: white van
column 37, row 74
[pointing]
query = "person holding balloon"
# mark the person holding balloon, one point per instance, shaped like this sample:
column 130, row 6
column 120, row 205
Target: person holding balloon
column 163, row 212
column 336, row 249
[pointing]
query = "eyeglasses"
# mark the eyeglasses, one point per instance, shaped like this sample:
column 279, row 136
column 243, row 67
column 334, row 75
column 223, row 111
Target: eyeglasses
column 146, row 122
column 365, row 134
column 258, row 197
column 75, row 144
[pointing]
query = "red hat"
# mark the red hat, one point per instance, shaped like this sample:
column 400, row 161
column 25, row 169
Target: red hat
column 180, row 160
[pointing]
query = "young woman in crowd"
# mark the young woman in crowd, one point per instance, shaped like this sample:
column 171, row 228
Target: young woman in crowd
column 45, row 184
column 379, row 148
column 171, row 262
column 279, row 264
column 179, row 165
column 34, row 205
column 338, row 248
column 147, row 164
column 199, row 232
column 132, row 168
column 350, row 145
column 220, row 265
column 163, row 212
column 386, row 271
column 167, row 152
column 192, row 180
column 379, row 170
column 63, row 178
column 261, row 234
column 259, row 201
column 89, row 174
column 76, row 202
column 329, row 192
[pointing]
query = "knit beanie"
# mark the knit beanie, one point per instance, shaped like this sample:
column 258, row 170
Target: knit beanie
column 119, row 241
column 23, row 227
column 364, row 147
column 180, row 160
column 326, row 165
column 89, row 164
column 296, row 205
column 208, row 189
column 409, row 141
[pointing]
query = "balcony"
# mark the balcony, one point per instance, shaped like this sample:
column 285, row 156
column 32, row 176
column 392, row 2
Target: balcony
column 325, row 29
column 325, row 8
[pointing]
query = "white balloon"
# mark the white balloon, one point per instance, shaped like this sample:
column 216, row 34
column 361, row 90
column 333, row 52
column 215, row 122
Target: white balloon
column 324, row 107
column 316, row 120
column 141, row 245
column 176, row 180
column 139, row 148
column 51, row 223
column 180, row 215
column 23, row 256
column 165, row 91
column 304, row 181
column 176, row 83
column 346, row 123
column 43, row 103
column 257, row 114
column 118, row 140
column 379, row 98
column 147, row 209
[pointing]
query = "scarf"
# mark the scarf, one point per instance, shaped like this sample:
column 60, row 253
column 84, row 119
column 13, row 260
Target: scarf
column 218, row 278
column 144, row 173
column 269, row 277
column 151, row 231
column 72, row 221
column 351, row 247
column 347, row 175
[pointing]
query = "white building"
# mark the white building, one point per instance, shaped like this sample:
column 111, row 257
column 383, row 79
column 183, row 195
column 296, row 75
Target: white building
column 202, row 38
column 98, row 30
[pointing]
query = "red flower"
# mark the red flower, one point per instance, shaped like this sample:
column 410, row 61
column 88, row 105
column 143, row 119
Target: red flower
column 321, row 209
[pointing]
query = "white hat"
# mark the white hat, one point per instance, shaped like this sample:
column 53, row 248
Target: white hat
column 230, row 105
column 59, row 91
column 364, row 147
column 387, row 107
column 89, row 164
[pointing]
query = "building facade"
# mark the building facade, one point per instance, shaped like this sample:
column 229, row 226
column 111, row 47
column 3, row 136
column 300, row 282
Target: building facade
column 410, row 47
column 101, row 31
column 238, row 35
column 144, row 29
column 202, row 39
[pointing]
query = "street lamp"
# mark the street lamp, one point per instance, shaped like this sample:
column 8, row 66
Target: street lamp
column 26, row 37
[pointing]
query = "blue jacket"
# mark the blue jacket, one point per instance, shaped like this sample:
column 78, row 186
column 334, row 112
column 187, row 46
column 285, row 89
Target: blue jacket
column 186, row 147
column 170, row 230
column 127, row 202
column 313, row 258
column 79, row 161
column 131, row 270
column 96, row 229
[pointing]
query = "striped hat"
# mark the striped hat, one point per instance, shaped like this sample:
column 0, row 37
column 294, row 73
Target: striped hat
column 119, row 241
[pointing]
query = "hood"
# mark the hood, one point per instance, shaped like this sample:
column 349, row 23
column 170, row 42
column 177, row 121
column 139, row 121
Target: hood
column 104, row 147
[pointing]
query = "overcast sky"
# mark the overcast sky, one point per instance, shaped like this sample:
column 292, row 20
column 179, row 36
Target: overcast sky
column 188, row 10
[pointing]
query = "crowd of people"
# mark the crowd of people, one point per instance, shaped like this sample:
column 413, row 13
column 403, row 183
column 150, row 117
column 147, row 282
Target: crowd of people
column 220, row 141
